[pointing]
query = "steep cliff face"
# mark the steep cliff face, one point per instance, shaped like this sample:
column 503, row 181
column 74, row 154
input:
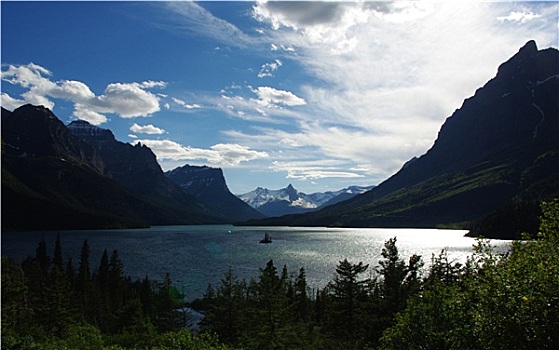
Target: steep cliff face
column 208, row 185
column 199, row 181
column 499, row 147
column 136, row 168
column 517, row 111
column 35, row 132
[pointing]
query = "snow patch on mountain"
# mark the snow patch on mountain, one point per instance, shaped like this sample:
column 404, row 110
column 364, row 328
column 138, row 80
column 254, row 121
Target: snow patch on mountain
column 289, row 200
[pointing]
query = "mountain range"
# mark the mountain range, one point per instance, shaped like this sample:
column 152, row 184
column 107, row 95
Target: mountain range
column 290, row 201
column 79, row 176
column 494, row 160
column 208, row 185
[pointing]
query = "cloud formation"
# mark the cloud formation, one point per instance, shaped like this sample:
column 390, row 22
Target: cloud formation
column 268, row 69
column 390, row 75
column 184, row 104
column 517, row 16
column 225, row 155
column 128, row 100
column 146, row 129
column 194, row 18
column 268, row 96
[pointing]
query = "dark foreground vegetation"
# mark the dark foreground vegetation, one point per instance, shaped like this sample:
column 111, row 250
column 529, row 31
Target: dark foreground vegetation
column 492, row 301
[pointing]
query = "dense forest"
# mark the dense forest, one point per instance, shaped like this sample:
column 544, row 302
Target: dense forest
column 492, row 301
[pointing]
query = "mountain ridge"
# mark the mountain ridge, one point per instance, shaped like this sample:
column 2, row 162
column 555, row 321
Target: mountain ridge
column 289, row 200
column 136, row 168
column 496, row 149
column 52, row 179
column 208, row 185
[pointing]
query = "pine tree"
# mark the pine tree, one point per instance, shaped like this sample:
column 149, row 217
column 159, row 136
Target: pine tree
column 273, row 309
column 116, row 288
column 17, row 315
column 104, row 314
column 42, row 258
column 57, row 260
column 84, row 285
column 348, row 294
column 399, row 281
column 168, row 317
column 226, row 307
column 301, row 299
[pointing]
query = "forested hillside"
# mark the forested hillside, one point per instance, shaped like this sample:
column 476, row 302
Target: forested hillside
column 490, row 302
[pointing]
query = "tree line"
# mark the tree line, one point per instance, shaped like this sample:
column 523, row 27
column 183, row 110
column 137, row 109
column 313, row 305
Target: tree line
column 492, row 301
column 51, row 303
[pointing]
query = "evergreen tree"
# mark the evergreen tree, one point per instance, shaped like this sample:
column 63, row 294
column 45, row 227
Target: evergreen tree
column 499, row 301
column 116, row 288
column 301, row 298
column 54, row 311
column 399, row 280
column 84, row 284
column 269, row 315
column 224, row 315
column 17, row 314
column 348, row 295
column 146, row 296
column 70, row 272
column 104, row 312
column 168, row 317
column 57, row 260
column 42, row 258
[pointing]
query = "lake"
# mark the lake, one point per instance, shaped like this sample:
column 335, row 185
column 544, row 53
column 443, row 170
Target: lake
column 198, row 255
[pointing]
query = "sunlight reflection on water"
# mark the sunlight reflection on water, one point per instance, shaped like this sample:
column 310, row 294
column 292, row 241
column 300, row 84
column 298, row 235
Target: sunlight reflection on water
column 198, row 255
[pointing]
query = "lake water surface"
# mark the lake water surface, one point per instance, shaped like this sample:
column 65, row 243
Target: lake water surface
column 198, row 255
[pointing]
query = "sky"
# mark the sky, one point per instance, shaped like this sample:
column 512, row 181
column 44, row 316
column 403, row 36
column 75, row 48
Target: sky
column 322, row 95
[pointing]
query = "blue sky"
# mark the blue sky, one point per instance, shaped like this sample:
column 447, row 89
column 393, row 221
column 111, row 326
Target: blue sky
column 320, row 95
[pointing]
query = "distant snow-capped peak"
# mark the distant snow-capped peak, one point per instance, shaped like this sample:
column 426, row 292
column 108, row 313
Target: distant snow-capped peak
column 263, row 196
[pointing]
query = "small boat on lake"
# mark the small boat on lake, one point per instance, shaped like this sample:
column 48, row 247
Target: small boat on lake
column 267, row 238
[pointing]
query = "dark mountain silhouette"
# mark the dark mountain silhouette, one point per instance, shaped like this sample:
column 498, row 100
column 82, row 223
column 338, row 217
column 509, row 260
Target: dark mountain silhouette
column 498, row 152
column 208, row 186
column 136, row 168
column 35, row 132
column 53, row 180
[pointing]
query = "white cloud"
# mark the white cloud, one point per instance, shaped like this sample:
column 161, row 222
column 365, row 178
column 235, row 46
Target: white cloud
column 184, row 104
column 194, row 18
column 84, row 113
column 268, row 96
column 313, row 170
column 152, row 84
column 270, row 105
column 226, row 155
column 388, row 75
column 521, row 17
column 268, row 69
column 11, row 103
column 146, row 129
column 128, row 100
column 319, row 22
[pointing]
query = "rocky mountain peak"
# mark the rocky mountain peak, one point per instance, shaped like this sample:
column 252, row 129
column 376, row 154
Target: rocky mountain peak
column 198, row 180
column 37, row 132
column 208, row 185
column 92, row 134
